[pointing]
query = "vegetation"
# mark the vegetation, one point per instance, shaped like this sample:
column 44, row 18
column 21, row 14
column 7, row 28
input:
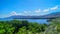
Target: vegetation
column 54, row 26
column 21, row 27
column 25, row 27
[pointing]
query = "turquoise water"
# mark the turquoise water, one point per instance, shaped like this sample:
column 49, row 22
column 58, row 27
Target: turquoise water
column 33, row 20
column 37, row 20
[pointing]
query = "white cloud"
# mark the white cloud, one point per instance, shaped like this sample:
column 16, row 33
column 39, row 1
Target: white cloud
column 25, row 12
column 10, row 14
column 46, row 10
column 32, row 13
column 19, row 13
column 13, row 13
column 54, row 8
column 38, row 11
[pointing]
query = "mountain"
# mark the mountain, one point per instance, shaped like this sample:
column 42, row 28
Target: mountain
column 48, row 16
column 52, row 15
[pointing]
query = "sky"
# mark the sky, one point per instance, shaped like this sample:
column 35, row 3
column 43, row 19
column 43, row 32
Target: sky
column 28, row 7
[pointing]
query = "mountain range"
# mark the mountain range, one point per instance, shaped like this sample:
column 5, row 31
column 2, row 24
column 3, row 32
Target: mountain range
column 48, row 16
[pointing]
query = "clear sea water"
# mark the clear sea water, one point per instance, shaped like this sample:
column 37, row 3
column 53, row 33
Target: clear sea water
column 37, row 20
column 34, row 20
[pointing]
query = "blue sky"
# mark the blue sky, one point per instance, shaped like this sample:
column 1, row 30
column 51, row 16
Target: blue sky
column 28, row 7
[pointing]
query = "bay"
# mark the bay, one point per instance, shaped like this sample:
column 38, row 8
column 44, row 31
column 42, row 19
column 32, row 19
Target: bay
column 37, row 20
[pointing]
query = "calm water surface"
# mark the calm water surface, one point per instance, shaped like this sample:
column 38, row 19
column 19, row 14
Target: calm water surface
column 37, row 20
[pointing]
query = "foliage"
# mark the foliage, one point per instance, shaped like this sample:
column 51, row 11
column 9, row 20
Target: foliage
column 21, row 27
column 54, row 27
column 25, row 27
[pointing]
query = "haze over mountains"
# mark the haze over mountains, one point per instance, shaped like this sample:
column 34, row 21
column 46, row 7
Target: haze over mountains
column 48, row 16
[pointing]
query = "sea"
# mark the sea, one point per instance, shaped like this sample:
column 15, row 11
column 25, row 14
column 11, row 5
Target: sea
column 41, row 21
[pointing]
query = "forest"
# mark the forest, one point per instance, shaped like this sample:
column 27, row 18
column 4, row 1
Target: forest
column 25, row 27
